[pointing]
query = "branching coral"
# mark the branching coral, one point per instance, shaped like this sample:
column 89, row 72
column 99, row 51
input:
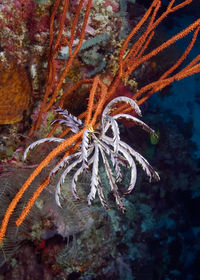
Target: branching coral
column 131, row 56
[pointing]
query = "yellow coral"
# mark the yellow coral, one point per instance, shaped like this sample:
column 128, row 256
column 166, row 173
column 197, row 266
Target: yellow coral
column 14, row 93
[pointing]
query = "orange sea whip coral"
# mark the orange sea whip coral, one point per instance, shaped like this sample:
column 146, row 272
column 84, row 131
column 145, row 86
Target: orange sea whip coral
column 51, row 92
column 129, row 59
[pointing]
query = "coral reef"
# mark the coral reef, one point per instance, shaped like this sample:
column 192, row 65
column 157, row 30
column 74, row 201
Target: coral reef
column 28, row 266
column 51, row 51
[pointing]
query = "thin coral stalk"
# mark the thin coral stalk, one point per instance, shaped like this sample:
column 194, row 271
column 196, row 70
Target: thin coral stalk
column 165, row 45
column 74, row 24
column 51, row 31
column 152, row 25
column 138, row 48
column 145, row 92
column 52, row 54
column 131, row 59
column 91, row 100
column 46, row 106
column 71, row 58
column 132, row 33
column 145, row 46
column 51, row 35
column 100, row 104
column 159, row 85
column 61, row 27
column 193, row 62
column 184, row 55
column 169, row 71
column 31, row 201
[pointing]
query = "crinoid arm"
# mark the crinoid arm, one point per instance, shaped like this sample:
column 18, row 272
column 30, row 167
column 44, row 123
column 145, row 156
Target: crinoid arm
column 148, row 169
column 74, row 182
column 101, row 195
column 136, row 121
column 128, row 154
column 79, row 172
column 84, row 148
column 115, row 130
column 41, row 141
column 62, row 179
column 124, row 157
column 115, row 159
column 124, row 99
column 69, row 120
column 63, row 162
column 113, row 185
column 133, row 169
column 94, row 177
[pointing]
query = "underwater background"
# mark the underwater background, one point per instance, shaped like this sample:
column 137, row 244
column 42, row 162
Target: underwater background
column 158, row 238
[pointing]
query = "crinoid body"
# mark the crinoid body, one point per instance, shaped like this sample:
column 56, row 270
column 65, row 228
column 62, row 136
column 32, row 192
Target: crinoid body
column 98, row 146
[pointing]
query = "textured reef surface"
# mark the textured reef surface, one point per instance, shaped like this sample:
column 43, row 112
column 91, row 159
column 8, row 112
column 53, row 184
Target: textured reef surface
column 158, row 236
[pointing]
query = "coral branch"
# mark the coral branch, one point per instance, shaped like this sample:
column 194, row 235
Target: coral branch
column 31, row 201
column 51, row 68
column 165, row 45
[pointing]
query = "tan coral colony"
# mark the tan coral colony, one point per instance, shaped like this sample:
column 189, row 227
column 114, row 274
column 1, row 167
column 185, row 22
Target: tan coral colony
column 14, row 93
